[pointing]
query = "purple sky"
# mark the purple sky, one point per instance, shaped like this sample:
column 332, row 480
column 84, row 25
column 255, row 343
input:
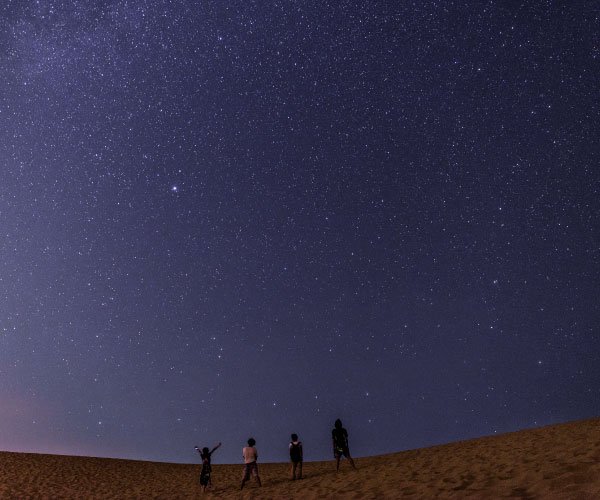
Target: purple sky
column 224, row 219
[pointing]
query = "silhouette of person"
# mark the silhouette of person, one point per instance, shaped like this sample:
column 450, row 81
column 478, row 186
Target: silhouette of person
column 339, row 438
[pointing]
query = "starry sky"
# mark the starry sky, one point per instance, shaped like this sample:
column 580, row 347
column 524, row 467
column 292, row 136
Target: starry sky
column 231, row 218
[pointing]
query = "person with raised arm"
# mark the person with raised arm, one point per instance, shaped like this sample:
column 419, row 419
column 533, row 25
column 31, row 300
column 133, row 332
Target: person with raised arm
column 205, row 479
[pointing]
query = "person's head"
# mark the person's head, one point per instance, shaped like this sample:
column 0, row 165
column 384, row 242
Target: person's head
column 294, row 437
column 205, row 451
column 338, row 424
column 251, row 442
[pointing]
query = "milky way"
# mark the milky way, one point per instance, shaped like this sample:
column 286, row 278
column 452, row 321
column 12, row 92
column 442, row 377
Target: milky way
column 224, row 219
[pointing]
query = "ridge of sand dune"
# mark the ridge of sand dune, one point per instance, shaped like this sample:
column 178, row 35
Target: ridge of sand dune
column 556, row 462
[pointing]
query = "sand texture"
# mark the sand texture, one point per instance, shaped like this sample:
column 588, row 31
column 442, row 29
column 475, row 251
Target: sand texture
column 555, row 462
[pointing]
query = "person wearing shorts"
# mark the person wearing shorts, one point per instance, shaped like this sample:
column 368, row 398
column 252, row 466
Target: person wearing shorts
column 296, row 456
column 250, row 466
column 339, row 438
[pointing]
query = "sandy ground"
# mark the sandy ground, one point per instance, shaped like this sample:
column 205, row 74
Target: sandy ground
column 556, row 462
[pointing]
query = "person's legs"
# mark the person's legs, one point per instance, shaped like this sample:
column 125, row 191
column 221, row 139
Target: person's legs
column 337, row 463
column 294, row 470
column 299, row 470
column 255, row 474
column 351, row 462
column 245, row 477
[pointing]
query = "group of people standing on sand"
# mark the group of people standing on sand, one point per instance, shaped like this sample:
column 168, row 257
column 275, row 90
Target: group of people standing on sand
column 339, row 439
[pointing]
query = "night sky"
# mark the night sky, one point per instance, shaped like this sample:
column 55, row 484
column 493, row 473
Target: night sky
column 230, row 218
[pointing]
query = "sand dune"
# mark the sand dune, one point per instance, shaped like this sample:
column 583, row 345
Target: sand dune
column 555, row 462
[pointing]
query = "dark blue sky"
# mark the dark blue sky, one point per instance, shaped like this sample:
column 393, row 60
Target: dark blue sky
column 224, row 219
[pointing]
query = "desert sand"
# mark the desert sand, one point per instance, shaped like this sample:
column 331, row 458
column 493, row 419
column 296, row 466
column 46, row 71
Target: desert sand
column 556, row 462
